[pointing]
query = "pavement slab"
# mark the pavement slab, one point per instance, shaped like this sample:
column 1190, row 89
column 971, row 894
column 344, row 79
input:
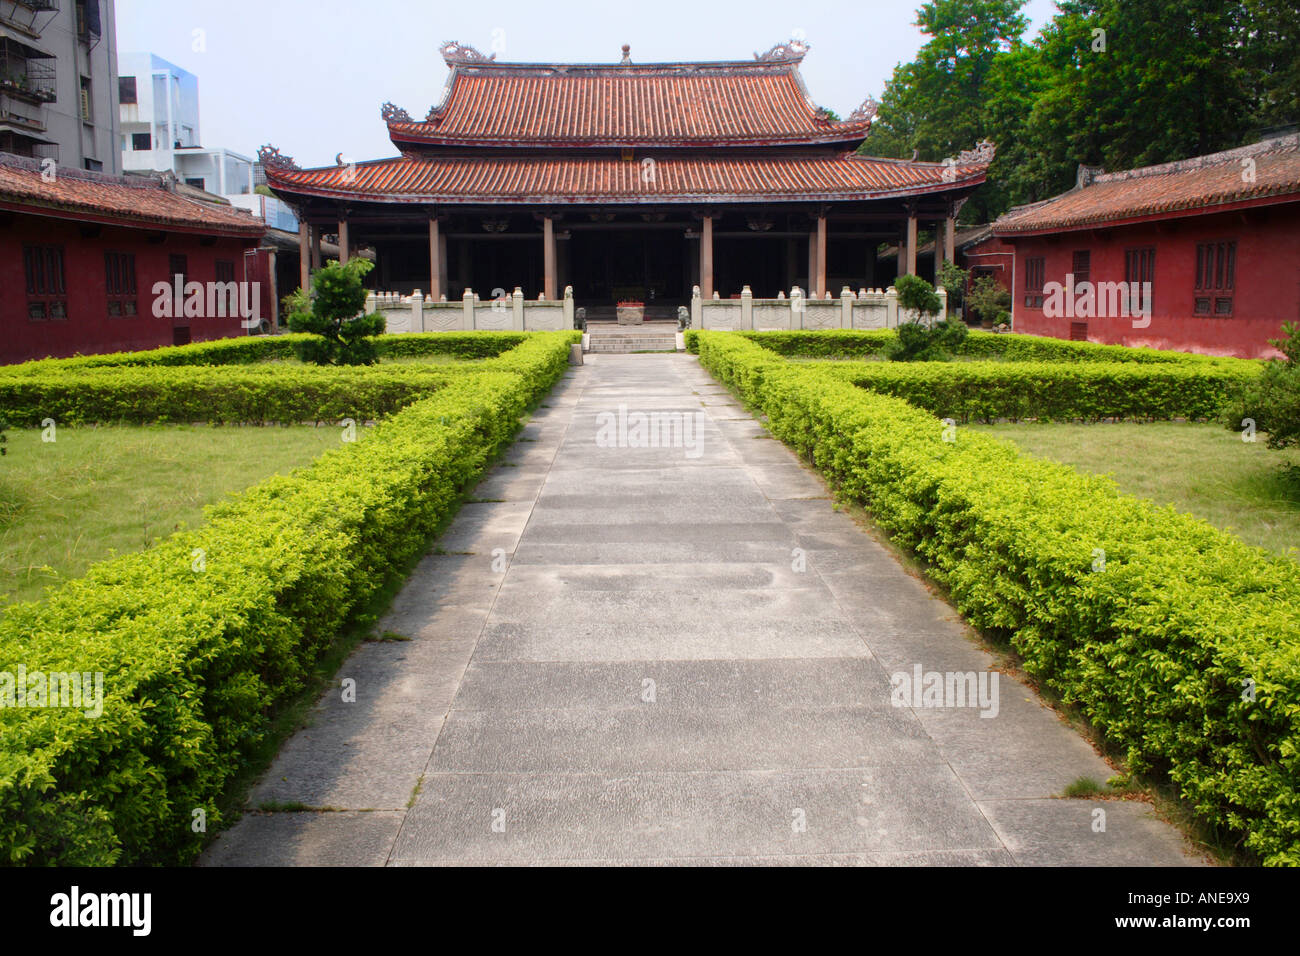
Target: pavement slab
column 650, row 638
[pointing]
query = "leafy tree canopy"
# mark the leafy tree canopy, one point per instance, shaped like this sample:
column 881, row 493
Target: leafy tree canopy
column 1112, row 83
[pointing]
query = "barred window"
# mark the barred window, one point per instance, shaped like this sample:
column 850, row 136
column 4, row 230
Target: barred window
column 1034, row 277
column 226, row 277
column 119, row 280
column 1140, row 267
column 47, row 293
column 1216, row 269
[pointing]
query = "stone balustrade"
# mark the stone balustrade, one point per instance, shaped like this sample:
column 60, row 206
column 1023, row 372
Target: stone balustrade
column 506, row 313
column 865, row 309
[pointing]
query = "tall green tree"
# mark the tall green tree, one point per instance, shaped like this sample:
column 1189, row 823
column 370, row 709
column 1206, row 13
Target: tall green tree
column 1110, row 83
column 934, row 107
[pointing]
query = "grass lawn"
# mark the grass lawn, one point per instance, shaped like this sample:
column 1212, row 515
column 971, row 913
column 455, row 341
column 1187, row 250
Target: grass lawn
column 100, row 489
column 1198, row 468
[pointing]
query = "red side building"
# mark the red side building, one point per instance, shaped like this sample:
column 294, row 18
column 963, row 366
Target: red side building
column 1218, row 238
column 80, row 253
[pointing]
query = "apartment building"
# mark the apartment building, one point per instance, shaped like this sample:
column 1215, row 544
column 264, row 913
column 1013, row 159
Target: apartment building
column 58, row 82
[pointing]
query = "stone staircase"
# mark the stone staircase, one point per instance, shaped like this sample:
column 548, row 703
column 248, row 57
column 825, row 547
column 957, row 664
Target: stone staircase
column 648, row 337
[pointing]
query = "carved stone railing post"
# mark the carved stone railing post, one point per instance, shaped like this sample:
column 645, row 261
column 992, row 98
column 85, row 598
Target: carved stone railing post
column 517, row 310
column 468, row 301
column 417, row 311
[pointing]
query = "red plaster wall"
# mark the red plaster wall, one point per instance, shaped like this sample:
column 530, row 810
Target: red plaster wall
column 992, row 253
column 1267, row 286
column 88, row 329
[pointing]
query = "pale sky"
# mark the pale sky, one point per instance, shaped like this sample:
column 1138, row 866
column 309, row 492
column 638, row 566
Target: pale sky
column 309, row 75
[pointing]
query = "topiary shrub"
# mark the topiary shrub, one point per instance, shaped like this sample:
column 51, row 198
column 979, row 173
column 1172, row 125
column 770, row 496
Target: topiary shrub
column 989, row 302
column 331, row 312
column 922, row 339
column 1274, row 401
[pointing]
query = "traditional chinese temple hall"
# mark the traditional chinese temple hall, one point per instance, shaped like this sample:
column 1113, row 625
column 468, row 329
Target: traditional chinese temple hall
column 627, row 182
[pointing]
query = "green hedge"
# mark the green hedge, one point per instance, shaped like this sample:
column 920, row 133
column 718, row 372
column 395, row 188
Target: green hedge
column 1057, row 391
column 836, row 343
column 264, row 348
column 195, row 663
column 244, row 394
column 1154, row 649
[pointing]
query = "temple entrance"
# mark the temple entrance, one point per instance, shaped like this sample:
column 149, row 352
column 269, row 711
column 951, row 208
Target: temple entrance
column 650, row 266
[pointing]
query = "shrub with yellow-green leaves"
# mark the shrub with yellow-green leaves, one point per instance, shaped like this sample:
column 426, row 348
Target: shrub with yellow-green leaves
column 1178, row 642
column 201, row 636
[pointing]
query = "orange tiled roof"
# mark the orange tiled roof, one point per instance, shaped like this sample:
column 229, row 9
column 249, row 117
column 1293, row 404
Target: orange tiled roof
column 763, row 102
column 644, row 179
column 130, row 202
column 1264, row 172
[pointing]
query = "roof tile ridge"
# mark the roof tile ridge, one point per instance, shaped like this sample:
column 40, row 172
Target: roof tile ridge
column 35, row 165
column 1208, row 161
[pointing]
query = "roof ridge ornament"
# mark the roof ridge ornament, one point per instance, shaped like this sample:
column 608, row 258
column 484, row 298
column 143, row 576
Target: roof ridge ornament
column 454, row 52
column 866, row 113
column 395, row 114
column 792, row 51
column 981, row 155
column 271, row 158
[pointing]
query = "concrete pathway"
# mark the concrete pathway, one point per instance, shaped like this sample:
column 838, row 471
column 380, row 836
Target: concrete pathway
column 674, row 655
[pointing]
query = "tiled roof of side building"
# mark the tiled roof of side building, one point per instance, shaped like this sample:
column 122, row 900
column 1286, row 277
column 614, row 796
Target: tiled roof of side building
column 759, row 102
column 1265, row 172
column 26, row 186
column 648, row 179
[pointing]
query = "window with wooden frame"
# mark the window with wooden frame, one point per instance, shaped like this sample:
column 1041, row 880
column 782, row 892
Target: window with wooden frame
column 178, row 266
column 119, row 281
column 47, row 291
column 229, row 291
column 1140, row 267
column 1216, row 268
column 1081, row 266
column 1035, row 273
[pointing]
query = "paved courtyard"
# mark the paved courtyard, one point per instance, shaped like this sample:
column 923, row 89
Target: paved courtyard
column 674, row 655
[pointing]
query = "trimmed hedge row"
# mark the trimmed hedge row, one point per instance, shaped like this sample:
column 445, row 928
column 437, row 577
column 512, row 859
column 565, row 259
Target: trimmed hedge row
column 1154, row 649
column 262, row 348
column 1012, row 348
column 195, row 661
column 145, row 393
column 237, row 394
column 1056, row 391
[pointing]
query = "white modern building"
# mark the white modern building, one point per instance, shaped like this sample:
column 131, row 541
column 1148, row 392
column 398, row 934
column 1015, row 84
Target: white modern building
column 159, row 104
column 58, row 82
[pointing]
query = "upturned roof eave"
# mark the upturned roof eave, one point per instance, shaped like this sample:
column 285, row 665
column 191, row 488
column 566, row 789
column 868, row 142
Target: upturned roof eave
column 291, row 192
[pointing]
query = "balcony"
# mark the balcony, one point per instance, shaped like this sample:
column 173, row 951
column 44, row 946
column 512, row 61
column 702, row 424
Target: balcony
column 20, row 144
column 22, row 14
column 26, row 73
column 21, row 113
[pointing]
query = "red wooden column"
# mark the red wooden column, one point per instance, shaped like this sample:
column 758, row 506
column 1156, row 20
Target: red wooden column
column 706, row 258
column 548, row 256
column 911, row 241
column 437, row 260
column 304, row 254
column 821, row 255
